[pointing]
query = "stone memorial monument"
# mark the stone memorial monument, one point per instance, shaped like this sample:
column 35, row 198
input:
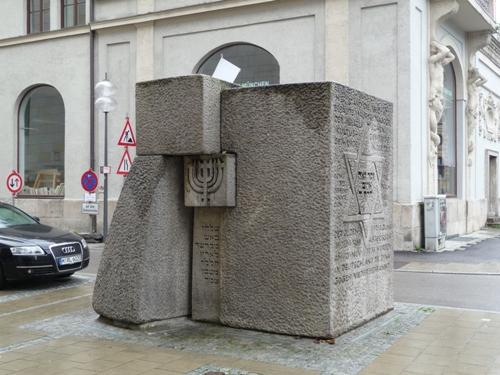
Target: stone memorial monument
column 265, row 208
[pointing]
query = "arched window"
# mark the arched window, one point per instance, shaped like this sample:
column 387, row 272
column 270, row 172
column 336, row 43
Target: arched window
column 447, row 130
column 41, row 142
column 258, row 67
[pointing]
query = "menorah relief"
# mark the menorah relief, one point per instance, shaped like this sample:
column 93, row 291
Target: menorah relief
column 209, row 180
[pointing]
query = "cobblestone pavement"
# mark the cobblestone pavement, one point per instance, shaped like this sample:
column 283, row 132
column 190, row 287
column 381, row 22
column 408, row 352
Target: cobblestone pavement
column 50, row 328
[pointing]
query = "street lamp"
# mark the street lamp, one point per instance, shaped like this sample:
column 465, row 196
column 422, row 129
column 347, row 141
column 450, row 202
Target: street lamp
column 105, row 102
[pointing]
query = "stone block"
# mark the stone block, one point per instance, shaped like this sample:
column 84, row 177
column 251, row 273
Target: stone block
column 210, row 180
column 145, row 271
column 308, row 248
column 179, row 116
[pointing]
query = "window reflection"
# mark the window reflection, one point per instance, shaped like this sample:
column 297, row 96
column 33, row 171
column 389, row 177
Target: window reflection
column 41, row 142
column 447, row 130
column 258, row 67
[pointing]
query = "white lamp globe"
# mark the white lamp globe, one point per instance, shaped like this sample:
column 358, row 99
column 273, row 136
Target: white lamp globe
column 106, row 104
column 105, row 88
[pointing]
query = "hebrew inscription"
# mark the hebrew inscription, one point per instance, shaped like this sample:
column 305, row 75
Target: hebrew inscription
column 206, row 245
column 363, row 236
column 365, row 191
column 206, row 274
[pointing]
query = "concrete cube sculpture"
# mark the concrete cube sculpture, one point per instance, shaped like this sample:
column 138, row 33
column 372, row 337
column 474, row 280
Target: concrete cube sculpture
column 179, row 116
column 307, row 249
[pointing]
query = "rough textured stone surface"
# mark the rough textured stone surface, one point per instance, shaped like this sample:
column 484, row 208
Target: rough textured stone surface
column 145, row 272
column 179, row 116
column 308, row 249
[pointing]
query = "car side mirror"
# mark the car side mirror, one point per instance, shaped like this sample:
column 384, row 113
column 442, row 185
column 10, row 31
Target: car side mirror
column 36, row 218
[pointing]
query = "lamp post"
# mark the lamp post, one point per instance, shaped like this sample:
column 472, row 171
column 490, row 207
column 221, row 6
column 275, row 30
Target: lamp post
column 105, row 102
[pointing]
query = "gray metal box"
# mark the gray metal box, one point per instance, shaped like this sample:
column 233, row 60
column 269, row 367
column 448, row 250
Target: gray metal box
column 435, row 222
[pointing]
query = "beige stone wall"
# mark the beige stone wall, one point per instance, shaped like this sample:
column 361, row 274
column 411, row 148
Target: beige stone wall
column 477, row 211
column 408, row 226
column 456, row 219
column 63, row 213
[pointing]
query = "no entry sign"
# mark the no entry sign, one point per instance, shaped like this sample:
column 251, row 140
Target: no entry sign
column 14, row 182
column 89, row 181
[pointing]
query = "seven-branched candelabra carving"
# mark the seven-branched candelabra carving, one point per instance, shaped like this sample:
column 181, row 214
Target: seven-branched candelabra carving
column 205, row 176
column 210, row 180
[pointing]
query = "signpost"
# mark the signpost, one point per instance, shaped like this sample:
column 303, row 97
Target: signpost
column 125, row 164
column 127, row 138
column 89, row 181
column 14, row 182
column 90, row 208
column 105, row 93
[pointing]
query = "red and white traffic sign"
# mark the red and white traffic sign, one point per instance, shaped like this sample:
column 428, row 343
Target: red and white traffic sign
column 125, row 164
column 89, row 181
column 127, row 138
column 14, row 182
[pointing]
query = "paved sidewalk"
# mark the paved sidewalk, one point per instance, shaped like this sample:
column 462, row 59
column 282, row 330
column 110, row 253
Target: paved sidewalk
column 50, row 328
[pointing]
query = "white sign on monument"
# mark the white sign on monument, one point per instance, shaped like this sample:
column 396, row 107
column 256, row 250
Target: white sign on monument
column 226, row 71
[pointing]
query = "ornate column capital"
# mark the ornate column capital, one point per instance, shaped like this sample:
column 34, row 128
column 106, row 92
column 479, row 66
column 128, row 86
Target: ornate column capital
column 439, row 11
column 477, row 40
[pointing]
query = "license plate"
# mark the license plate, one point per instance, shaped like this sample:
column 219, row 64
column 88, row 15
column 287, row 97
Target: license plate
column 70, row 260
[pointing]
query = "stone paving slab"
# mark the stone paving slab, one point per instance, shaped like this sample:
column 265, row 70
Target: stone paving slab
column 351, row 353
column 62, row 335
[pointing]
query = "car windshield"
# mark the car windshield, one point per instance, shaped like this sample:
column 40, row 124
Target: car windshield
column 11, row 216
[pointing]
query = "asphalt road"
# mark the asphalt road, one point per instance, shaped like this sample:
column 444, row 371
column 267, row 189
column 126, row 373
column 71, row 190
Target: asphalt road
column 479, row 292
column 473, row 291
column 486, row 251
column 95, row 258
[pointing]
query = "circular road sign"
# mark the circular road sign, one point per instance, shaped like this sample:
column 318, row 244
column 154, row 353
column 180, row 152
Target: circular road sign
column 89, row 181
column 14, row 182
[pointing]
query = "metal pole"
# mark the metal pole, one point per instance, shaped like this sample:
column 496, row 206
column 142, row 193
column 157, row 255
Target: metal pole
column 105, row 219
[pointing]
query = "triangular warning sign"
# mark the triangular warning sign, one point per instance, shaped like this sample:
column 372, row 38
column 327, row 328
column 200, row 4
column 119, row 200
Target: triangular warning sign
column 125, row 164
column 127, row 138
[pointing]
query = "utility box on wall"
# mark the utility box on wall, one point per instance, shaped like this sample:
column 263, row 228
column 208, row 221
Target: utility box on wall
column 435, row 222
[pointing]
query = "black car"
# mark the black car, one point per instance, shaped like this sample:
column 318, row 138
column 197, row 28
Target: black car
column 29, row 249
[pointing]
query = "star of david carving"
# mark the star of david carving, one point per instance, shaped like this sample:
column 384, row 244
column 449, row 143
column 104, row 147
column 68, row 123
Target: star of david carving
column 365, row 204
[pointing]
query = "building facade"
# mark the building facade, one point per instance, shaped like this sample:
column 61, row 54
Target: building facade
column 436, row 60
